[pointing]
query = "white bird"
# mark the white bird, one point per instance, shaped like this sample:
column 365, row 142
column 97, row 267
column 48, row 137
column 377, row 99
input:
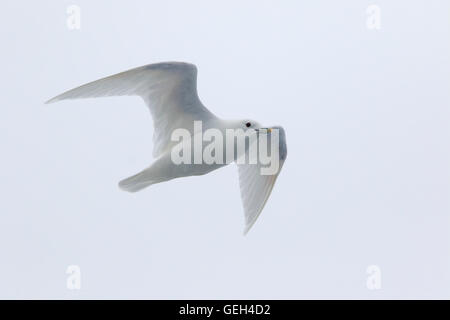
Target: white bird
column 170, row 91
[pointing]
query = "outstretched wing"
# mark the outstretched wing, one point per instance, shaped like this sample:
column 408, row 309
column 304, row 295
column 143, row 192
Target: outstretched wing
column 169, row 89
column 255, row 187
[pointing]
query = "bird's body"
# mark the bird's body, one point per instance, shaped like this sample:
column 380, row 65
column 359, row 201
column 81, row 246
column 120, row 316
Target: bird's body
column 164, row 169
column 169, row 90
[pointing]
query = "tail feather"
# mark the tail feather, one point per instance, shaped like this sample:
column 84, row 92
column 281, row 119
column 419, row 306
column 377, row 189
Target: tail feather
column 138, row 181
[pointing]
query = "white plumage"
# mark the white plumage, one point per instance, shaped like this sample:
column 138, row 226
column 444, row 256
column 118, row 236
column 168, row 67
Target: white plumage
column 170, row 91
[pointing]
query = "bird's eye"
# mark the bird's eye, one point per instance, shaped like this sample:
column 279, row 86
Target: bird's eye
column 248, row 124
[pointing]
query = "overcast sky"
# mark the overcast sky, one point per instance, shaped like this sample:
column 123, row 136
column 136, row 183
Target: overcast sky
column 366, row 181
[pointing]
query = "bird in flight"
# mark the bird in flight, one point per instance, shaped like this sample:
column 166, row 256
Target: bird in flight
column 169, row 89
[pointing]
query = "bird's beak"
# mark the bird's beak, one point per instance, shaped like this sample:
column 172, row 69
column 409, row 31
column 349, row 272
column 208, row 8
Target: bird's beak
column 264, row 130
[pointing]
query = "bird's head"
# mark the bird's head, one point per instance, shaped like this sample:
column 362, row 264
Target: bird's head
column 252, row 124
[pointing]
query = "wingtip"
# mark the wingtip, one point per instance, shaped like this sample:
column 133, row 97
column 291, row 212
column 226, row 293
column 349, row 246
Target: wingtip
column 52, row 100
column 250, row 224
column 246, row 230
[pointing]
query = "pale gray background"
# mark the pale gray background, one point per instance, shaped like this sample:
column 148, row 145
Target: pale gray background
column 367, row 178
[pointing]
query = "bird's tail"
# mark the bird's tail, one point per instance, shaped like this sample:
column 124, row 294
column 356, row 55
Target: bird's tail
column 139, row 181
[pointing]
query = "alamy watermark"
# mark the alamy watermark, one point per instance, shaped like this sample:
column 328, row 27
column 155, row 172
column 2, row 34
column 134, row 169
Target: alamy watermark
column 373, row 281
column 73, row 21
column 73, row 281
column 216, row 146
column 373, row 21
